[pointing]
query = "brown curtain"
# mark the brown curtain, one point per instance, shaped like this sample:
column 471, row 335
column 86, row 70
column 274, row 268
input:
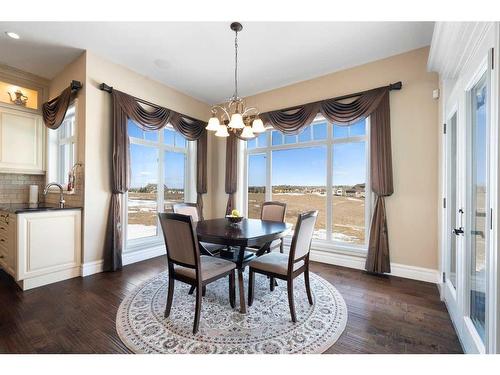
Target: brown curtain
column 150, row 117
column 378, row 260
column 231, row 171
column 201, row 173
column 342, row 112
column 54, row 111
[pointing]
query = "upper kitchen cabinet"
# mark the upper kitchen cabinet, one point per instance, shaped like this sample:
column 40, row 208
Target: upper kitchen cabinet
column 22, row 134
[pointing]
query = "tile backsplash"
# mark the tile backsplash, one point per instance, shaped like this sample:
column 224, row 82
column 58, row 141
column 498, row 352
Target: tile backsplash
column 14, row 187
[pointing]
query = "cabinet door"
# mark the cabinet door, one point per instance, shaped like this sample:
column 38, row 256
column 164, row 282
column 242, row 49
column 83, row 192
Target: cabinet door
column 21, row 142
column 48, row 242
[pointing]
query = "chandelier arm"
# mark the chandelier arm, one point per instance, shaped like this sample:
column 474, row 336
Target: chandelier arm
column 224, row 111
column 247, row 110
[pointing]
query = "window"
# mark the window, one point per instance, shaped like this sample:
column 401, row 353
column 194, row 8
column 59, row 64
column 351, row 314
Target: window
column 159, row 165
column 322, row 168
column 62, row 148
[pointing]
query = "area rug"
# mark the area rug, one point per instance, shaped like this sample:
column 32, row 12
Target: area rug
column 266, row 328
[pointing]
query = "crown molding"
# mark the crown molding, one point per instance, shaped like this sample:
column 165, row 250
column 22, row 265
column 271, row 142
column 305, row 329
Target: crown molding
column 453, row 44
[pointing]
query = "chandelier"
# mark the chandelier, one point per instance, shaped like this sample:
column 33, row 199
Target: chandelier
column 234, row 116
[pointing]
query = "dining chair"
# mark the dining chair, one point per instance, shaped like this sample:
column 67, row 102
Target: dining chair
column 185, row 263
column 191, row 209
column 273, row 211
column 287, row 267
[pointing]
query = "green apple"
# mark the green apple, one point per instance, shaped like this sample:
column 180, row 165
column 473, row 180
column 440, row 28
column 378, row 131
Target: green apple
column 235, row 213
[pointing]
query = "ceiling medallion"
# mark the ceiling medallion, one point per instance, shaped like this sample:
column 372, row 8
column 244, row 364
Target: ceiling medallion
column 234, row 116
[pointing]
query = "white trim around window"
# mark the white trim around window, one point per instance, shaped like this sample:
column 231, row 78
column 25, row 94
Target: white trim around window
column 189, row 187
column 319, row 244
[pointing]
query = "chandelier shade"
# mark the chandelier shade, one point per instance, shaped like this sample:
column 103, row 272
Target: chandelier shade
column 213, row 124
column 222, row 131
column 247, row 133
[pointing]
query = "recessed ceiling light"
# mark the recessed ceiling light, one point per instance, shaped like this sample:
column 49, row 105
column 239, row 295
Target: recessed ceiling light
column 12, row 35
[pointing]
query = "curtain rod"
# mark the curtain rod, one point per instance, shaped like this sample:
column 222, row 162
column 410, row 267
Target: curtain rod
column 75, row 85
column 109, row 89
column 393, row 86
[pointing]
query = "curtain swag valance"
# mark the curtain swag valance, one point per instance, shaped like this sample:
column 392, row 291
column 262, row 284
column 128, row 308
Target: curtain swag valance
column 54, row 111
column 345, row 111
column 149, row 117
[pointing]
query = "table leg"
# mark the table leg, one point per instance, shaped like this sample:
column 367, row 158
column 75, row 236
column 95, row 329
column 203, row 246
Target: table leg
column 239, row 266
column 243, row 307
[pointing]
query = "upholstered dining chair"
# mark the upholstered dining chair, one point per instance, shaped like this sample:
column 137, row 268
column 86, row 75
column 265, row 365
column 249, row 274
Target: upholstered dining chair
column 191, row 209
column 185, row 263
column 287, row 267
column 273, row 211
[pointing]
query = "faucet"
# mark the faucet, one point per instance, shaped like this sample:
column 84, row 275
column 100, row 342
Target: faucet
column 61, row 195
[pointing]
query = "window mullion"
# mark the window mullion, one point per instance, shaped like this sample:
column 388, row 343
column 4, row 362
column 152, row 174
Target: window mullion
column 161, row 178
column 329, row 183
column 269, row 166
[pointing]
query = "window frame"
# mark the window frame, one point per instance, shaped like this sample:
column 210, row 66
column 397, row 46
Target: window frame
column 54, row 143
column 327, row 244
column 189, row 185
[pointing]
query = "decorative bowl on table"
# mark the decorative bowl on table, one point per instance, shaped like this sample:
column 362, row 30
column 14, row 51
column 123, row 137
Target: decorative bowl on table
column 234, row 219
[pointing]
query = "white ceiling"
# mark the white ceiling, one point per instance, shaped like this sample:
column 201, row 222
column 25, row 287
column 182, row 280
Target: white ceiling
column 197, row 57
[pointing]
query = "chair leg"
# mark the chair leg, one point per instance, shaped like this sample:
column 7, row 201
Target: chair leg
column 281, row 247
column 197, row 311
column 308, row 286
column 204, row 291
column 232, row 289
column 251, row 286
column 290, row 299
column 271, row 283
column 170, row 296
column 191, row 290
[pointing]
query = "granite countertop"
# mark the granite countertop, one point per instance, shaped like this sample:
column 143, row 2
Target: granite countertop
column 17, row 208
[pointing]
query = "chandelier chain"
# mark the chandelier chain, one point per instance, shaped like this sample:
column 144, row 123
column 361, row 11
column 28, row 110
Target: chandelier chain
column 236, row 65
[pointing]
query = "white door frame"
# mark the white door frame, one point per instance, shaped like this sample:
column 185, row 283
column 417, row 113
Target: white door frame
column 479, row 62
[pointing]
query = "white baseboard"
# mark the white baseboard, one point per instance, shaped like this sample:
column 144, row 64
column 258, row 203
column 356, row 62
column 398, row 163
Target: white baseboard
column 53, row 277
column 357, row 261
column 415, row 273
column 143, row 254
column 91, row 268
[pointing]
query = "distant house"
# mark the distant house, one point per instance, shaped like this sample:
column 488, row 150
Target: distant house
column 350, row 193
column 359, row 190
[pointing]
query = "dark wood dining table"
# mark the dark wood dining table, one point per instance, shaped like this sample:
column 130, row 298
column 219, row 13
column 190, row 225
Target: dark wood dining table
column 237, row 238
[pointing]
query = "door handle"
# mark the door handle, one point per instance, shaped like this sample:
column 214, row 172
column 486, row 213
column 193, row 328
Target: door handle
column 458, row 231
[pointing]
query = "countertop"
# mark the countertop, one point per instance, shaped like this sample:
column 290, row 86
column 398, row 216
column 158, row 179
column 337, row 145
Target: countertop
column 17, row 208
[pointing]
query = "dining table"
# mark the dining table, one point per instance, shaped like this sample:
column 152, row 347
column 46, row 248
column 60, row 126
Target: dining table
column 237, row 238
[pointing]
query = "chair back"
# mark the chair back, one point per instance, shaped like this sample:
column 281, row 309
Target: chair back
column 273, row 211
column 190, row 209
column 301, row 241
column 180, row 239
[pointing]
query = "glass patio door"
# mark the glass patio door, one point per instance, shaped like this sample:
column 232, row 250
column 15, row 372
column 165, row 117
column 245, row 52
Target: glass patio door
column 477, row 231
column 454, row 215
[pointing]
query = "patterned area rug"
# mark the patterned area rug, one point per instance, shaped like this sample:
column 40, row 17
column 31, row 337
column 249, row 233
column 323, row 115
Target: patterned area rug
column 266, row 328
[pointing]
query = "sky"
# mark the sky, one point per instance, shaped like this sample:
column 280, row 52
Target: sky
column 307, row 166
column 144, row 159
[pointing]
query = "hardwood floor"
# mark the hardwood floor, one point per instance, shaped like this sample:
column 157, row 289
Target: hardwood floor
column 386, row 314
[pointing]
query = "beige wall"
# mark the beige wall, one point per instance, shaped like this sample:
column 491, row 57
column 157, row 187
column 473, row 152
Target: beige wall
column 76, row 70
column 98, row 137
column 412, row 213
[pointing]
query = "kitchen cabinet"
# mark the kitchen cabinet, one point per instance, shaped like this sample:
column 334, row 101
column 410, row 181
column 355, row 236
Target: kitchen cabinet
column 22, row 142
column 40, row 247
